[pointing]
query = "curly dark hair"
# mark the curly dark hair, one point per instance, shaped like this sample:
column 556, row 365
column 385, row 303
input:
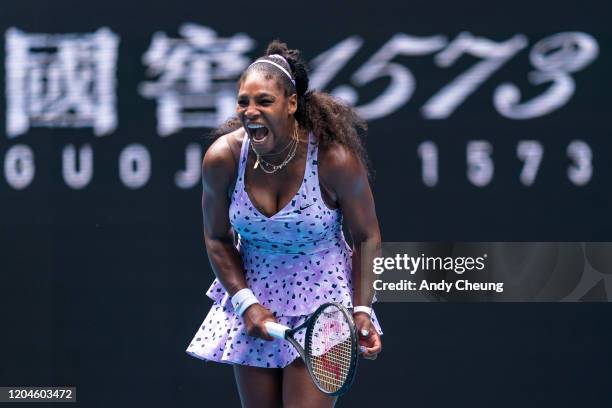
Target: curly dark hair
column 329, row 118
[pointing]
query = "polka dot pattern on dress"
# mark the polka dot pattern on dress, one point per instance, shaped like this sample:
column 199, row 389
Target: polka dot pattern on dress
column 294, row 261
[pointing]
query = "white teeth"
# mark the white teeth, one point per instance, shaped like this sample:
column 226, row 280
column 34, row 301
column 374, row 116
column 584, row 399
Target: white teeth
column 255, row 126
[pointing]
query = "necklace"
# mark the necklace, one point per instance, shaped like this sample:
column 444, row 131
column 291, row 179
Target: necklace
column 270, row 168
column 289, row 144
column 273, row 168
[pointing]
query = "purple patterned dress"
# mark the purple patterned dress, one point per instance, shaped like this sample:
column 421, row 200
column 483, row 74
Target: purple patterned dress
column 294, row 261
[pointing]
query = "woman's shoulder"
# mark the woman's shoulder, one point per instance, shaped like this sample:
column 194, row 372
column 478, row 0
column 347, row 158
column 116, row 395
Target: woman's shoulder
column 223, row 155
column 338, row 164
column 337, row 157
column 225, row 148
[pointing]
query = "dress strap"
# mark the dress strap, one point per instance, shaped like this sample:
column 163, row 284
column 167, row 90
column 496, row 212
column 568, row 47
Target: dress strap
column 311, row 159
column 244, row 154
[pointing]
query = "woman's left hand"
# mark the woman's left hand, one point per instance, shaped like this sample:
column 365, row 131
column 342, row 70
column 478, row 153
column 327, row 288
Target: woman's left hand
column 371, row 342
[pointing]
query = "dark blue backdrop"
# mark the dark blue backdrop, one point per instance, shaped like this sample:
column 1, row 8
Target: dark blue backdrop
column 102, row 287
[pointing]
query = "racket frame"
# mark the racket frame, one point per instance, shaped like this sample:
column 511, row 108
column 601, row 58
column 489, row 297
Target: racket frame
column 305, row 355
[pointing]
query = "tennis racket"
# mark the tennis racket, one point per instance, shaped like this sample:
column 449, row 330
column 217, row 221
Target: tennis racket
column 331, row 348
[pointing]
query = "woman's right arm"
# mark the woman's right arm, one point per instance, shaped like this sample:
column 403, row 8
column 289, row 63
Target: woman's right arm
column 218, row 174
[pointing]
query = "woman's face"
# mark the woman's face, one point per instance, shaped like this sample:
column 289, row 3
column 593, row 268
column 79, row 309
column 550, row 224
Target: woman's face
column 265, row 112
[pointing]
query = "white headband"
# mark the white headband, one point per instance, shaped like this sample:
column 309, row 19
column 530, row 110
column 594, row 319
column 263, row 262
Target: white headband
column 276, row 65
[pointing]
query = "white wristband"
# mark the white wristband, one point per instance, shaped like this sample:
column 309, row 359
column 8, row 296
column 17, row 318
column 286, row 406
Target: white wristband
column 242, row 300
column 364, row 309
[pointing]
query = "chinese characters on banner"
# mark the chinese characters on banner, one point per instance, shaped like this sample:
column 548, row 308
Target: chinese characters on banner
column 196, row 77
column 70, row 80
column 61, row 80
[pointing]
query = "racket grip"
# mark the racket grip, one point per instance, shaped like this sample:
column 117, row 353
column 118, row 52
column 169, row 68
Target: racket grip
column 276, row 330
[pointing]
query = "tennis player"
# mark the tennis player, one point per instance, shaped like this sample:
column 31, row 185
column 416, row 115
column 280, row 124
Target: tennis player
column 278, row 182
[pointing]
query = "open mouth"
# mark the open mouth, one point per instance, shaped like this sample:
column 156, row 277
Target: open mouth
column 257, row 132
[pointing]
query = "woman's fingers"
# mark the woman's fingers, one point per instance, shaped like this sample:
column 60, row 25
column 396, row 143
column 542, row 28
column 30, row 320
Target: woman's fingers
column 255, row 318
column 371, row 346
column 264, row 330
column 263, row 334
column 369, row 339
column 368, row 353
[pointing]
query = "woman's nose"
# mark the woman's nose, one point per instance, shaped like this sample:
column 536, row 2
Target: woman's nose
column 250, row 112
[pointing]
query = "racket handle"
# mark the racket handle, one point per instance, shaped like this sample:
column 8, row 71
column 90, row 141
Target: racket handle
column 276, row 330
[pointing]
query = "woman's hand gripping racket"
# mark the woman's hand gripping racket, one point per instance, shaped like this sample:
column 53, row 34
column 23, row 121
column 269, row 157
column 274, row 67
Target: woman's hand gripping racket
column 331, row 350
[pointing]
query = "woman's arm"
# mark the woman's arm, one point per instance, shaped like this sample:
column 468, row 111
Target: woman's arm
column 218, row 174
column 346, row 178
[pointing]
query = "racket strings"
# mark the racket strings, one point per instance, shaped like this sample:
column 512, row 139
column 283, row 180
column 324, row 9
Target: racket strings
column 331, row 369
column 331, row 350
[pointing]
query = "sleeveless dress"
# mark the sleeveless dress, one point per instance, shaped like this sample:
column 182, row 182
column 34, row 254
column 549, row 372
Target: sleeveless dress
column 294, row 261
